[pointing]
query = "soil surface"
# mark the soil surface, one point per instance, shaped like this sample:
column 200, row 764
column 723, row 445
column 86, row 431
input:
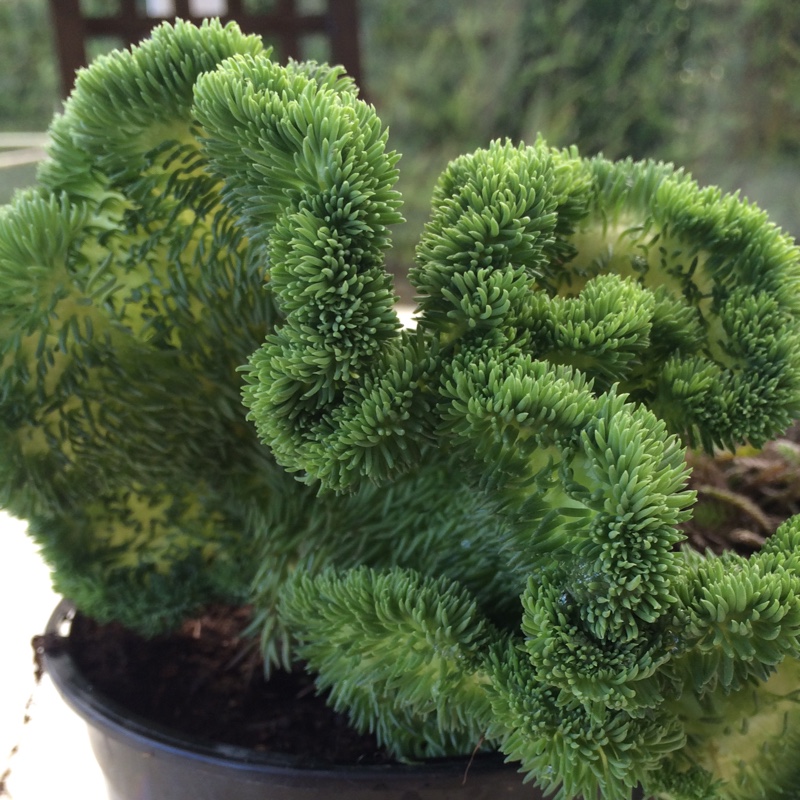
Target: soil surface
column 207, row 680
column 742, row 497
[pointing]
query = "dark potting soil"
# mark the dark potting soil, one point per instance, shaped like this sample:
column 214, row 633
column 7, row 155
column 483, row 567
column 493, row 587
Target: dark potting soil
column 207, row 680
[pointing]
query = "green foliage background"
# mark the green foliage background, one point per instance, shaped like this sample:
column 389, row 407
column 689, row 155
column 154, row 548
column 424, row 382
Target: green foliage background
column 711, row 84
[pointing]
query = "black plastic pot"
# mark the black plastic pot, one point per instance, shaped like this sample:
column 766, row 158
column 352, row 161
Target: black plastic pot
column 142, row 761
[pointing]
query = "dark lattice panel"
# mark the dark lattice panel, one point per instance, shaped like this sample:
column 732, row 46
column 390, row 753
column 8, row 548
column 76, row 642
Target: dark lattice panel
column 286, row 25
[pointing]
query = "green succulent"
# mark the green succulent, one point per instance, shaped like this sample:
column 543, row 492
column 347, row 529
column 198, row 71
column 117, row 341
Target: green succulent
column 470, row 531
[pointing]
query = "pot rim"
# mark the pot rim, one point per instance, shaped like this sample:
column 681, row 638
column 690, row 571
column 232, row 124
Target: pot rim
column 115, row 720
